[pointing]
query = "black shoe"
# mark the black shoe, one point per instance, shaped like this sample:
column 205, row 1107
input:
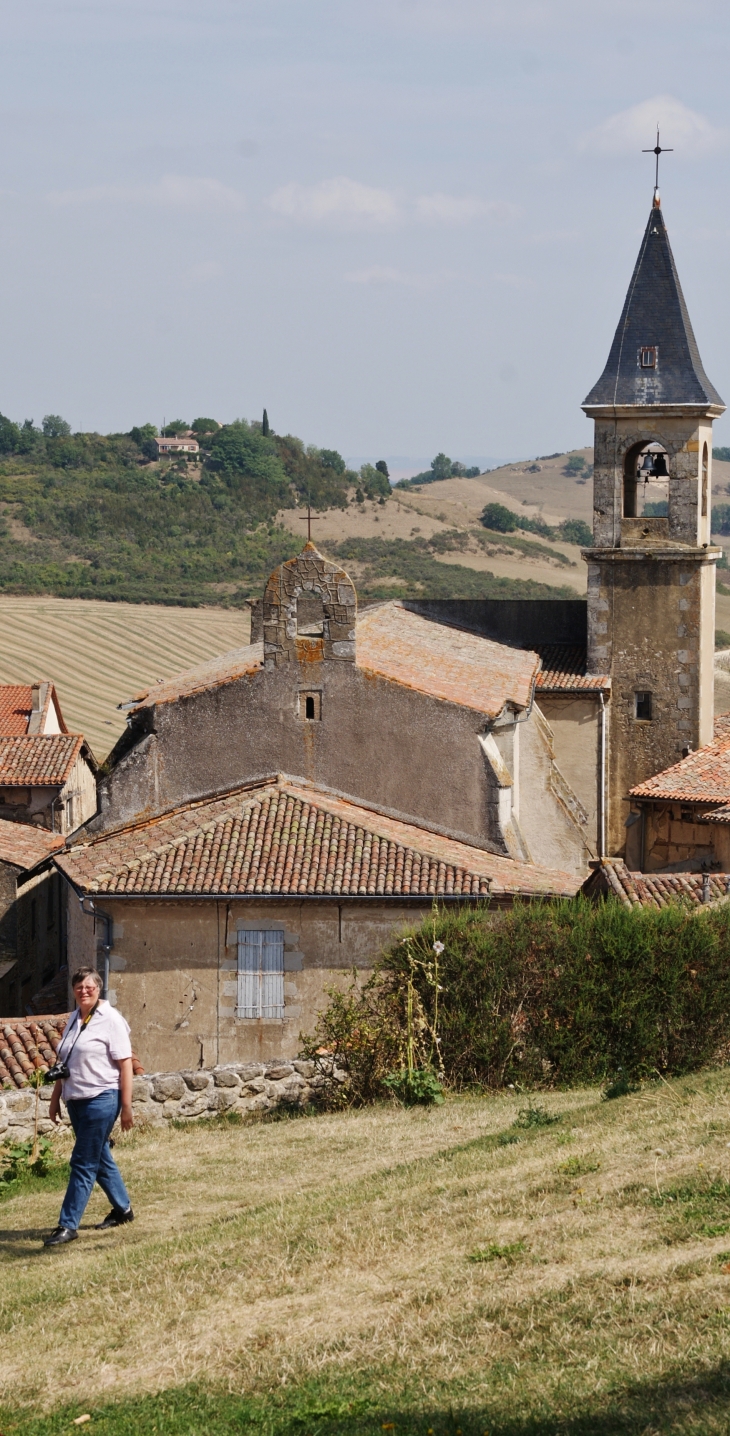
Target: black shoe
column 60, row 1237
column 115, row 1219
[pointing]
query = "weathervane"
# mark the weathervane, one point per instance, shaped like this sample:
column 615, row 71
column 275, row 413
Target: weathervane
column 657, row 150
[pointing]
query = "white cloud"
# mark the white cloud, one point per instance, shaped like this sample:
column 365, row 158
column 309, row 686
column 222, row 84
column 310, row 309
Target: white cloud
column 172, row 191
column 340, row 201
column 633, row 130
column 459, row 209
column 383, row 274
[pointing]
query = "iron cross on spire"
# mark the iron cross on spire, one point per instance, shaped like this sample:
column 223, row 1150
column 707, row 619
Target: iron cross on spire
column 657, row 150
column 308, row 522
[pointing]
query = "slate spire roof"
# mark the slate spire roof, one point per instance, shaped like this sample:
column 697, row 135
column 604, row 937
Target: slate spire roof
column 654, row 316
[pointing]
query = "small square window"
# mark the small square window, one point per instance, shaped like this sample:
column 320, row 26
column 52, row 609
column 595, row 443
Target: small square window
column 648, row 356
column 310, row 706
column 642, row 709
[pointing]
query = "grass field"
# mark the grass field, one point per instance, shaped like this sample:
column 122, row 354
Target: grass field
column 460, row 1270
column 99, row 654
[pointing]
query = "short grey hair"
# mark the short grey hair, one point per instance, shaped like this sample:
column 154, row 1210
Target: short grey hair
column 83, row 972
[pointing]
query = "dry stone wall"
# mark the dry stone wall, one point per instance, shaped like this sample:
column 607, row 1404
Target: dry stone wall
column 247, row 1088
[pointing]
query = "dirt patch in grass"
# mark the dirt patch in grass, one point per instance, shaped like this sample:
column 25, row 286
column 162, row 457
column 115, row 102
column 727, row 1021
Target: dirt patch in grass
column 330, row 1256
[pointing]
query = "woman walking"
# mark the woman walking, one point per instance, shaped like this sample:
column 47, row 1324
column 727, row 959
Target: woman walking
column 97, row 1053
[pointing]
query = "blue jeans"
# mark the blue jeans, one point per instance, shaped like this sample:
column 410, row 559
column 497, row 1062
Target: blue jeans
column 92, row 1119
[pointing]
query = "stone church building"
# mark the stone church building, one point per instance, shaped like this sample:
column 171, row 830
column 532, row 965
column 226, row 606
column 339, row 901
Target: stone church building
column 274, row 815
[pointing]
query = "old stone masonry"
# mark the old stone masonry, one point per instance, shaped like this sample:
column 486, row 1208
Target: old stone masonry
column 247, row 1088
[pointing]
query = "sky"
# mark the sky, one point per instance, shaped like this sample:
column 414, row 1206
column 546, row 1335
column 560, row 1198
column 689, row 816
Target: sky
column 403, row 226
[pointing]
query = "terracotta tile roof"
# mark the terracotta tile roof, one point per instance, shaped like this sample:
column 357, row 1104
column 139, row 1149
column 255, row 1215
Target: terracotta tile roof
column 288, row 838
column 449, row 663
column 653, row 889
column 16, row 707
column 42, row 760
column 28, row 1044
column 714, row 815
column 224, row 669
column 24, row 846
column 701, row 777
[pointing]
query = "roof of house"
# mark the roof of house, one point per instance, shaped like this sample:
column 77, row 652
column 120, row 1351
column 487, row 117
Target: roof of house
column 449, row 663
column 701, row 777
column 41, row 761
column 564, row 670
column 653, row 889
column 286, row 837
column 654, row 314
column 17, row 716
column 28, row 1044
column 24, row 846
column 453, row 664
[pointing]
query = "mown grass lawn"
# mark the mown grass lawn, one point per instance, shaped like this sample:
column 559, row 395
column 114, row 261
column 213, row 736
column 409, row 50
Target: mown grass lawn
column 435, row 1271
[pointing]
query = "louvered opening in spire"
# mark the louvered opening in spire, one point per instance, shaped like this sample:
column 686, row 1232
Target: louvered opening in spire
column 654, row 359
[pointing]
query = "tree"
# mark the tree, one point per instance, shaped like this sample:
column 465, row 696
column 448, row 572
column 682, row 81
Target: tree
column 374, row 482
column 175, row 427
column 499, row 518
column 144, row 436
column 441, row 467
column 54, row 427
column 473, row 473
column 265, row 430
column 721, row 519
column 382, row 468
column 205, row 426
column 722, row 454
column 576, row 531
column 332, row 460
column 575, row 464
column 9, row 436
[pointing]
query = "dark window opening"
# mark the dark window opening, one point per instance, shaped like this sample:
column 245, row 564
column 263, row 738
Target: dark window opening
column 310, row 615
column 648, row 356
column 310, row 706
column 643, row 707
column 705, row 476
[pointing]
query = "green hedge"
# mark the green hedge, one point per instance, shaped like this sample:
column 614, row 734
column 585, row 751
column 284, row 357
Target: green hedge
column 561, row 993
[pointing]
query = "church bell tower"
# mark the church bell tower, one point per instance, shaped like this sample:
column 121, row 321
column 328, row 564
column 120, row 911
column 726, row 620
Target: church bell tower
column 651, row 570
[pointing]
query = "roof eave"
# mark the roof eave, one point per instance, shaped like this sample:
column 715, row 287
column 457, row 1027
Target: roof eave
column 710, row 410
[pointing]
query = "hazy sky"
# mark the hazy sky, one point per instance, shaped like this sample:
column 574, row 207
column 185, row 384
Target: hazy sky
column 401, row 225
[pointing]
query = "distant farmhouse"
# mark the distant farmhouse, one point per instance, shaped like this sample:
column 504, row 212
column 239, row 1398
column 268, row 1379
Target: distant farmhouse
column 270, row 818
column 178, row 444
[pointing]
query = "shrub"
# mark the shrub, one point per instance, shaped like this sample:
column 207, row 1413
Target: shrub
column 545, row 994
column 576, row 531
column 575, row 464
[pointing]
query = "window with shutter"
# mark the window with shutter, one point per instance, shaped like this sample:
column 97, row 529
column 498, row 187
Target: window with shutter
column 260, row 974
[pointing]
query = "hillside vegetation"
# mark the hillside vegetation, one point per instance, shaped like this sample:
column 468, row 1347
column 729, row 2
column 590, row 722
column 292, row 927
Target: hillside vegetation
column 93, row 516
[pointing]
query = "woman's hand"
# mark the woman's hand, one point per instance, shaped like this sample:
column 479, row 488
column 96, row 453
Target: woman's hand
column 125, row 1089
column 54, row 1110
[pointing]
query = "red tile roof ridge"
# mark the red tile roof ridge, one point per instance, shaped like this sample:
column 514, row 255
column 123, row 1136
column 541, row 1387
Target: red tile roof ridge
column 635, row 889
column 186, row 856
column 213, row 673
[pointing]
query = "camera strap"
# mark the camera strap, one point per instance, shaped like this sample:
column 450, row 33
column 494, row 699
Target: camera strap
column 80, row 1025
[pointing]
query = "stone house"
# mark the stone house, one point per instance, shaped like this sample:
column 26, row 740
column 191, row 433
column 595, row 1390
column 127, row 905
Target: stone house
column 47, row 780
column 226, row 919
column 680, row 819
column 32, row 915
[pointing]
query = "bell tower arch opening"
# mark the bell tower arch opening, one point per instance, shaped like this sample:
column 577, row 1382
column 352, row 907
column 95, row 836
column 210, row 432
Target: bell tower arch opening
column 705, row 481
column 646, row 481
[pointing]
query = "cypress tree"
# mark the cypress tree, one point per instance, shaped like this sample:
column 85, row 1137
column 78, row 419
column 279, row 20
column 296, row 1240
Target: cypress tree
column 265, row 430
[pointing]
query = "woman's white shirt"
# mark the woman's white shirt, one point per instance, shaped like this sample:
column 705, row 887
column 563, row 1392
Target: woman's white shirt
column 99, row 1046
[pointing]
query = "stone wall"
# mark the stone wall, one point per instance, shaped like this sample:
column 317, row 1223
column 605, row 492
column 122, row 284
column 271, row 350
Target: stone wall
column 248, row 1088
